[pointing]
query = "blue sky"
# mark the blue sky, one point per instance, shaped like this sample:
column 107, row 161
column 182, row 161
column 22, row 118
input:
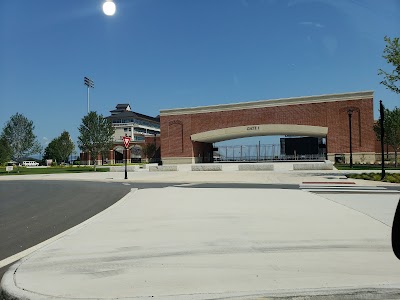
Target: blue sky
column 157, row 54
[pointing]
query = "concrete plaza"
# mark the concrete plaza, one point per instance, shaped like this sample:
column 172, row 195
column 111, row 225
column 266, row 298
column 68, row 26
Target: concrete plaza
column 183, row 242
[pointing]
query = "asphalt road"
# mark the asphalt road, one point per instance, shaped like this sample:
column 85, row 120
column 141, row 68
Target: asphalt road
column 34, row 211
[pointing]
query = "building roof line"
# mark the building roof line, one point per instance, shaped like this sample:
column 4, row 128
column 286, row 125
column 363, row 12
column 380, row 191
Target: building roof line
column 270, row 103
column 132, row 114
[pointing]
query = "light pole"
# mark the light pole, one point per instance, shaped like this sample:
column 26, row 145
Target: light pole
column 155, row 146
column 90, row 84
column 350, row 113
column 382, row 122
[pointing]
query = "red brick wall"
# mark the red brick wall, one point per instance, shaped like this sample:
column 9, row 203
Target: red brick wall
column 150, row 140
column 387, row 148
column 175, row 136
column 177, row 129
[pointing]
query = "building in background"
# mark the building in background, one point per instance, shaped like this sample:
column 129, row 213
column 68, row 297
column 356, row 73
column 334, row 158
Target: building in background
column 142, row 130
column 189, row 133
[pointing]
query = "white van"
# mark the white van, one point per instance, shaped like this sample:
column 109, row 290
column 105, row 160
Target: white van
column 27, row 163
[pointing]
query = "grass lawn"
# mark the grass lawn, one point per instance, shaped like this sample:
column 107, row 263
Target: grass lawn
column 391, row 177
column 365, row 167
column 50, row 170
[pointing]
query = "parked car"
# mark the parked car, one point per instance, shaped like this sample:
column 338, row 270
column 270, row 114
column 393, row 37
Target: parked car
column 29, row 163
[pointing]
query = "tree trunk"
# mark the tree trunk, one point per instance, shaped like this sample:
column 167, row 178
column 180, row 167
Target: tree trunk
column 94, row 158
column 387, row 151
column 395, row 157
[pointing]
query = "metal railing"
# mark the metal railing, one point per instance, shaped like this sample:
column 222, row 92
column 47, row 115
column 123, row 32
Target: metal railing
column 258, row 153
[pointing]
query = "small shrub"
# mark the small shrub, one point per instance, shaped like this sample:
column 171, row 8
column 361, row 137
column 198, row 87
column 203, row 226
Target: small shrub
column 396, row 178
column 390, row 178
column 376, row 177
column 364, row 176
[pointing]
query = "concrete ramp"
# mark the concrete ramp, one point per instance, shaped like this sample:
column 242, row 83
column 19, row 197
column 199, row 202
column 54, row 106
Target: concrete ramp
column 194, row 243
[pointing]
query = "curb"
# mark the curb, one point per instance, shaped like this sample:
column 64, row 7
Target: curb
column 346, row 293
column 8, row 286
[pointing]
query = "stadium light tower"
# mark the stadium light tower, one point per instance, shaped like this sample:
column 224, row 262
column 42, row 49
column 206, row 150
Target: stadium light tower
column 90, row 84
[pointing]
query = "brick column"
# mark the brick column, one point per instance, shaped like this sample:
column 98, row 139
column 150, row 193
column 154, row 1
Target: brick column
column 111, row 157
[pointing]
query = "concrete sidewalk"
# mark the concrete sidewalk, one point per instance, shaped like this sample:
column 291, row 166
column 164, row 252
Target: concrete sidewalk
column 188, row 243
column 259, row 177
column 283, row 174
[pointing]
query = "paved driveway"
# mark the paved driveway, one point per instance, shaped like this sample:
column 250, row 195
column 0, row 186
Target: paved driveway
column 204, row 243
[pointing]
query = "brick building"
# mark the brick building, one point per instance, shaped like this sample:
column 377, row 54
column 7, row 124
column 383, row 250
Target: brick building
column 188, row 134
column 142, row 130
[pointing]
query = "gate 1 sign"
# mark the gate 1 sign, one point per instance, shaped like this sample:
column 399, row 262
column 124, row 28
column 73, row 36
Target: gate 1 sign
column 126, row 141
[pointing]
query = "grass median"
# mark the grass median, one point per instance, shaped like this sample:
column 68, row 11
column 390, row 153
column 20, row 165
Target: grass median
column 390, row 177
column 365, row 167
column 51, row 170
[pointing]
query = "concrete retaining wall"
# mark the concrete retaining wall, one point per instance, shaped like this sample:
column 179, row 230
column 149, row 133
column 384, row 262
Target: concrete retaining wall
column 313, row 166
column 256, row 167
column 206, row 168
column 162, row 168
column 122, row 168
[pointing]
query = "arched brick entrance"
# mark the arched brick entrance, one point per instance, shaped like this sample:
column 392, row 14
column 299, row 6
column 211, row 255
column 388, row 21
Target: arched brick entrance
column 188, row 133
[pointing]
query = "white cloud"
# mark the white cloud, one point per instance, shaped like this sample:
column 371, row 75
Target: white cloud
column 313, row 24
column 330, row 43
column 366, row 18
column 245, row 3
column 235, row 80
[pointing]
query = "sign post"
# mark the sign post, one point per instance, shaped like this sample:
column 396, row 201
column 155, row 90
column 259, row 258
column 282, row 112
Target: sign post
column 126, row 143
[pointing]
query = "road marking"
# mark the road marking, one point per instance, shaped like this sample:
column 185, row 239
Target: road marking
column 328, row 182
column 30, row 250
column 185, row 184
column 354, row 191
column 341, row 187
column 327, row 188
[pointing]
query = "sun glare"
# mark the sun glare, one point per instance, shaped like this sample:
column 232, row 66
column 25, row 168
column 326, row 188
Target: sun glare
column 109, row 8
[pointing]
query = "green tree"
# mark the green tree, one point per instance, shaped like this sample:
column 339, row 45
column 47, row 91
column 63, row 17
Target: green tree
column 95, row 135
column 149, row 150
column 393, row 131
column 377, row 128
column 392, row 55
column 18, row 133
column 59, row 148
column 391, row 126
column 5, row 150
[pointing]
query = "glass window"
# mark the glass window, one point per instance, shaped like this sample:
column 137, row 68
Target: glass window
column 139, row 138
